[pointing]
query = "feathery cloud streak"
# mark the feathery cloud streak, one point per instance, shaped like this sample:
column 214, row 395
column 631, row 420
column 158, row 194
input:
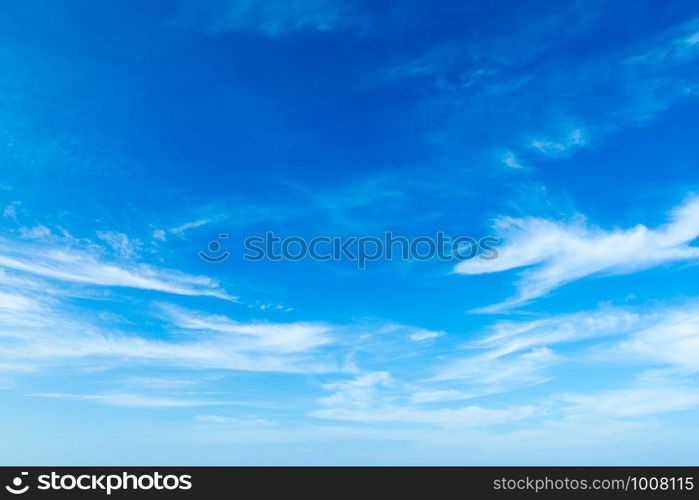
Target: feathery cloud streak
column 556, row 253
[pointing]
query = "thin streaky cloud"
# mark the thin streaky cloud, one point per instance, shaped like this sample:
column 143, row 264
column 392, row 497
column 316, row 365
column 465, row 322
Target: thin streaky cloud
column 554, row 253
column 183, row 228
column 80, row 266
column 363, row 399
column 132, row 400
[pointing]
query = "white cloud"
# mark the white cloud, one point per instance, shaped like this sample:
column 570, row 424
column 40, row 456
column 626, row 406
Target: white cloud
column 560, row 252
column 423, row 334
column 269, row 17
column 279, row 337
column 574, row 140
column 517, row 353
column 365, row 399
column 439, row 396
column 236, row 422
column 55, row 343
column 464, row 417
column 386, row 331
column 121, row 243
column 159, row 382
column 506, row 337
column 633, row 402
column 18, row 303
column 10, row 211
column 558, row 105
column 80, row 266
column 38, row 232
column 513, row 354
column 132, row 400
column 38, row 330
column 672, row 340
column 492, row 370
column 511, row 160
column 41, row 328
column 159, row 235
column 361, row 391
column 183, row 228
column 678, row 44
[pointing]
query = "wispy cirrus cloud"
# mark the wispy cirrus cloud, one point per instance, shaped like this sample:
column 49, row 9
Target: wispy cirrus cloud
column 234, row 422
column 10, row 211
column 133, row 400
column 561, row 105
column 279, row 337
column 183, row 228
column 465, row 417
column 554, row 253
column 507, row 337
column 75, row 265
column 38, row 331
column 634, row 401
column 670, row 342
column 363, row 399
column 513, row 354
column 121, row 243
column 375, row 398
column 40, row 327
column 561, row 147
column 271, row 18
column 493, row 372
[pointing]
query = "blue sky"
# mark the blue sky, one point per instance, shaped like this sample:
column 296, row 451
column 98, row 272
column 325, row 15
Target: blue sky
column 133, row 134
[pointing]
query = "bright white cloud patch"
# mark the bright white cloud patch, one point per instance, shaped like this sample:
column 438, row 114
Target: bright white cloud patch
column 81, row 266
column 280, row 337
column 555, row 253
column 36, row 331
column 421, row 335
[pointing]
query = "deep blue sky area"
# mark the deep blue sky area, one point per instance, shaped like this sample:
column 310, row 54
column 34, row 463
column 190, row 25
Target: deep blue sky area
column 132, row 134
